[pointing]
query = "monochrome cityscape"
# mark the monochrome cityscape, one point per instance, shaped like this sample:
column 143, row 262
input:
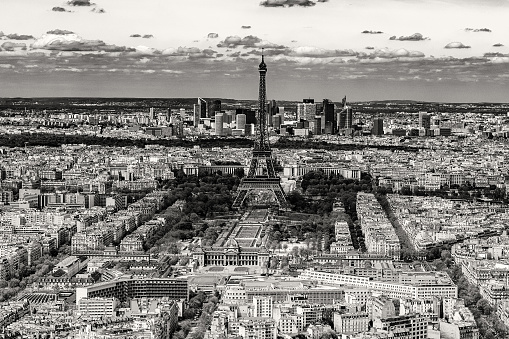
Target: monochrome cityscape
column 143, row 196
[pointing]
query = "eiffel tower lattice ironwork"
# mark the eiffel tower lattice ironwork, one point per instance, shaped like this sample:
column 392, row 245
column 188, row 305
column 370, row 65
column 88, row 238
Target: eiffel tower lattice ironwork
column 262, row 175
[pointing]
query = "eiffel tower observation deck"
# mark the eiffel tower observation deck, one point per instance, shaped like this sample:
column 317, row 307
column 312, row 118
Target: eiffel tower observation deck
column 261, row 176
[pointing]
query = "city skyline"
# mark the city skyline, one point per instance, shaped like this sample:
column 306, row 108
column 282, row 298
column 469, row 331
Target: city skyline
column 447, row 51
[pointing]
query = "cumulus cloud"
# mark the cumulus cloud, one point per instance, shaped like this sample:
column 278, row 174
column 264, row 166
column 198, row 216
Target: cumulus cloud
column 135, row 36
column 370, row 47
column 456, row 45
column 59, row 32
column 289, row 3
column 72, row 42
column 19, row 36
column 245, row 27
column 498, row 45
column 212, row 35
column 371, row 32
column 313, row 52
column 249, row 41
column 79, row 3
column 98, row 10
column 386, row 53
column 147, row 36
column 413, row 37
column 59, row 9
column 10, row 46
column 487, row 30
column 190, row 52
column 490, row 55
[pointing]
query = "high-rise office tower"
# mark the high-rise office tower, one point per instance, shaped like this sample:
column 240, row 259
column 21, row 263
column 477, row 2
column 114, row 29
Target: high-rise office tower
column 277, row 121
column 241, row 121
column 271, row 111
column 306, row 110
column 151, row 113
column 202, row 103
column 219, row 123
column 196, row 115
column 215, row 107
column 378, row 126
column 424, row 120
column 317, row 127
column 328, row 110
column 349, row 118
column 342, row 119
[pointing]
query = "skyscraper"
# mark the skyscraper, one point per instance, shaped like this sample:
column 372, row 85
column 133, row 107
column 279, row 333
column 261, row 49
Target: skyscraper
column 306, row 110
column 202, row 103
column 241, row 121
column 219, row 123
column 424, row 120
column 342, row 119
column 272, row 110
column 378, row 126
column 215, row 107
column 328, row 112
column 349, row 117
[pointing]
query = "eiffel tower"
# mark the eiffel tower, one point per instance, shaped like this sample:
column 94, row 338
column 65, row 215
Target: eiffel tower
column 262, row 175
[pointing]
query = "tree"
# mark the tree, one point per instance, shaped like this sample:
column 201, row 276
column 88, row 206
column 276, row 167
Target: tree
column 329, row 335
column 484, row 307
column 14, row 283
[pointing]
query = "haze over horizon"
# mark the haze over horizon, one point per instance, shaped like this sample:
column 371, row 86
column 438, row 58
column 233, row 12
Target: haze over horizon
column 436, row 51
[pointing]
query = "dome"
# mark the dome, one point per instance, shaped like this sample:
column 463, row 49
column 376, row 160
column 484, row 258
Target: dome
column 231, row 243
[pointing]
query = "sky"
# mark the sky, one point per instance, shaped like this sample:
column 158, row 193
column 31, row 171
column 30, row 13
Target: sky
column 439, row 50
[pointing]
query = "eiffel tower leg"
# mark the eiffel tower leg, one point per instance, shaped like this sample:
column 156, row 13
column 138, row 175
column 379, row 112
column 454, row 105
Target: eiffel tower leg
column 252, row 167
column 280, row 197
column 270, row 167
column 239, row 200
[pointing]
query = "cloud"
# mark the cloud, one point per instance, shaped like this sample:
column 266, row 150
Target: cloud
column 189, row 52
column 249, row 41
column 371, row 32
column 72, row 42
column 10, row 46
column 19, row 37
column 59, row 32
column 147, row 36
column 245, row 27
column 456, row 45
column 370, row 47
column 313, row 52
column 413, row 37
column 213, row 35
column 490, row 55
column 289, row 3
column 59, row 9
column 79, row 3
column 135, row 36
column 498, row 45
column 487, row 30
column 1, row 34
column 386, row 53
column 98, row 10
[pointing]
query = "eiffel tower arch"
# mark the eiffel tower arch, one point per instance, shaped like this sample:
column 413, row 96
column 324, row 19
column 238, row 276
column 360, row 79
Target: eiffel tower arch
column 262, row 175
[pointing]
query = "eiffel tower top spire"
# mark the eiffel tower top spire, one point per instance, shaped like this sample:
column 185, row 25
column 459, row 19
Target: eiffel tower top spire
column 263, row 66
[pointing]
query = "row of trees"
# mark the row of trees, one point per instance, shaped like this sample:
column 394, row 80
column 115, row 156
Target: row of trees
column 490, row 325
column 26, row 275
column 200, row 308
column 202, row 197
column 56, row 140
